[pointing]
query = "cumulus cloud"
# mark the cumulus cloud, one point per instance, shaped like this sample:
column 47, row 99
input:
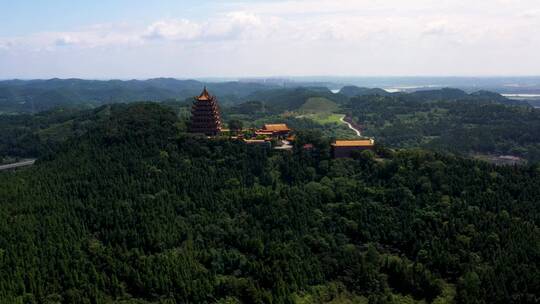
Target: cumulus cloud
column 315, row 36
column 350, row 21
column 174, row 30
column 232, row 25
column 239, row 25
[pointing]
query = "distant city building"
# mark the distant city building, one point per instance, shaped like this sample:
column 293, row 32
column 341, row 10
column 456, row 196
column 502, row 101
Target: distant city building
column 205, row 117
column 344, row 148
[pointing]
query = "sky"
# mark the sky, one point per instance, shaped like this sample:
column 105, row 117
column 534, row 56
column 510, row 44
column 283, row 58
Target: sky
column 105, row 39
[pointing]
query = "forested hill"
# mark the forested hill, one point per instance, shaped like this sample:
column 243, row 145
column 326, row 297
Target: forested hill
column 469, row 124
column 38, row 95
column 134, row 211
column 34, row 96
column 353, row 91
column 289, row 99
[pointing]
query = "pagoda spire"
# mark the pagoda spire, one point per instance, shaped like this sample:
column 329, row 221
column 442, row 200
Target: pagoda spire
column 205, row 95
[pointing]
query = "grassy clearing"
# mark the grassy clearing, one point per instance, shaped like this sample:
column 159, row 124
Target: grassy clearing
column 318, row 105
column 57, row 132
column 325, row 118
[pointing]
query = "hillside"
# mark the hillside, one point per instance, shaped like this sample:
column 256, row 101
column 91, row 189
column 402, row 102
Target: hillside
column 280, row 100
column 482, row 123
column 318, row 105
column 38, row 95
column 137, row 212
column 34, row 135
column 353, row 91
column 451, row 121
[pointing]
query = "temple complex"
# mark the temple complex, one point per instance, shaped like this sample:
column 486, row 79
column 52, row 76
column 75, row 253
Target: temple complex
column 205, row 117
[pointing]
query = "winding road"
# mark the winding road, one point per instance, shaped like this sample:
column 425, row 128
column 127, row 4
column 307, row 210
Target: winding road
column 351, row 126
column 25, row 163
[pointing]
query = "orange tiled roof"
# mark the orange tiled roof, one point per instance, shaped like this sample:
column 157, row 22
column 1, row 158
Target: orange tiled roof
column 204, row 95
column 276, row 127
column 354, row 143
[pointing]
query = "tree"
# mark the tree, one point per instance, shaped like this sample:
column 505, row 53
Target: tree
column 235, row 126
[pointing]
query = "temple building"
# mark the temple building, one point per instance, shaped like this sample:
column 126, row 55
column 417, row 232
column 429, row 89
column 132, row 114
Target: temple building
column 344, row 148
column 205, row 117
column 274, row 130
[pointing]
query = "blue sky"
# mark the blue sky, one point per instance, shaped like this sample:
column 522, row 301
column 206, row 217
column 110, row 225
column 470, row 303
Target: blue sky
column 142, row 39
column 26, row 17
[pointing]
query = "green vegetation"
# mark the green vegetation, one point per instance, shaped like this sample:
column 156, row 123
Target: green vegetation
column 471, row 124
column 325, row 118
column 39, row 95
column 321, row 110
column 353, row 91
column 291, row 100
column 482, row 124
column 318, row 105
column 301, row 109
column 135, row 211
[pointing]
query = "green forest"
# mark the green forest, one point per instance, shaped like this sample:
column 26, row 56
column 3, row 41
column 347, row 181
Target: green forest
column 481, row 123
column 122, row 206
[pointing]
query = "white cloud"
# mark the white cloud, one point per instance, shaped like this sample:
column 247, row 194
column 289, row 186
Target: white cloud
column 439, row 28
column 4, row 45
column 66, row 40
column 349, row 21
column 229, row 26
column 99, row 35
column 174, row 30
column 312, row 37
column 533, row 13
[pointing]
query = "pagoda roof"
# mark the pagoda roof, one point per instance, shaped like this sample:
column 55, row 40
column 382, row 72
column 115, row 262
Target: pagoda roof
column 354, row 143
column 276, row 127
column 205, row 95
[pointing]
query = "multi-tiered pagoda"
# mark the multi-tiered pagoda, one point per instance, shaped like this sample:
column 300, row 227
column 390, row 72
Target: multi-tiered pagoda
column 205, row 118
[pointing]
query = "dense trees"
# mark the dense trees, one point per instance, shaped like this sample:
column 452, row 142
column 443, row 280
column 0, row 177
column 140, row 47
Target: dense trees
column 478, row 123
column 32, row 96
column 235, row 125
column 134, row 212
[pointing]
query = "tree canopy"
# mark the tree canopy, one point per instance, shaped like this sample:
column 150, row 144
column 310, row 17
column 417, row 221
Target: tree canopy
column 133, row 211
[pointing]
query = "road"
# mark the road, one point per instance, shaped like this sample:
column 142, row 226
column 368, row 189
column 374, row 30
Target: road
column 286, row 145
column 351, row 127
column 24, row 163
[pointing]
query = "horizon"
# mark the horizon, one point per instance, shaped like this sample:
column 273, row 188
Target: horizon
column 515, row 87
column 253, row 39
column 283, row 77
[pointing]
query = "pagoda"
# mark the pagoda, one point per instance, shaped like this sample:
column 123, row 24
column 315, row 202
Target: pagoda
column 205, row 118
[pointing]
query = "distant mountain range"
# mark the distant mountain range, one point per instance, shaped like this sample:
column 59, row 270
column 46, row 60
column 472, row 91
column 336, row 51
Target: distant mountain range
column 352, row 91
column 39, row 95
column 32, row 96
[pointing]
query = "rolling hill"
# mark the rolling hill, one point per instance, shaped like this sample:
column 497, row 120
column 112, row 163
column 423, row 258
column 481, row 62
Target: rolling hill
column 318, row 105
column 33, row 96
column 352, row 91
